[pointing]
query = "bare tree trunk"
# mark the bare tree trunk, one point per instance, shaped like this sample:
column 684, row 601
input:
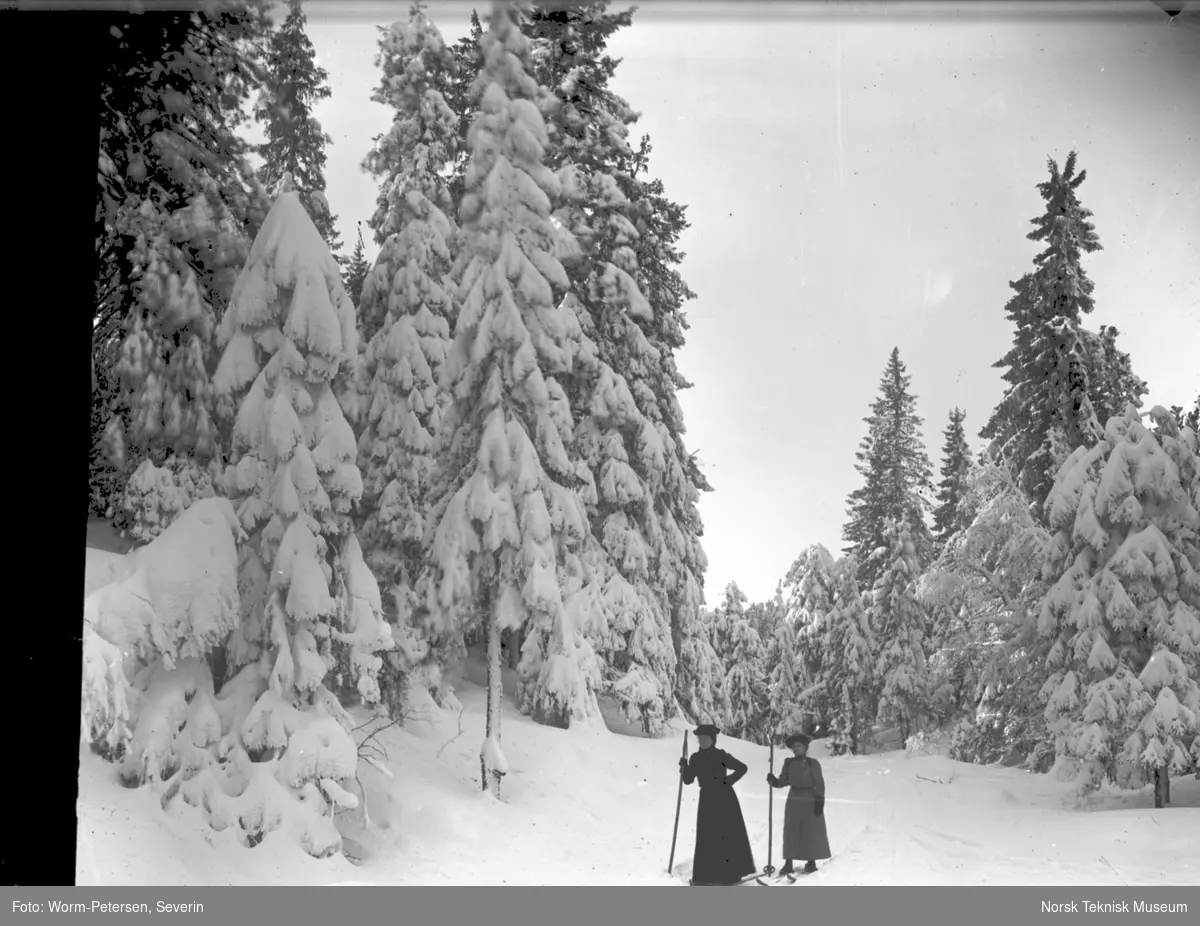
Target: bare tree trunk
column 514, row 648
column 1161, row 787
column 495, row 695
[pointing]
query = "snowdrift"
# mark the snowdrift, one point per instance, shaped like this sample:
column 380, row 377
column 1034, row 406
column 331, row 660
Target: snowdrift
column 587, row 806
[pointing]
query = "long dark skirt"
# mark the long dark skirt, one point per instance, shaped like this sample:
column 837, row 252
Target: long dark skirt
column 723, row 853
column 804, row 835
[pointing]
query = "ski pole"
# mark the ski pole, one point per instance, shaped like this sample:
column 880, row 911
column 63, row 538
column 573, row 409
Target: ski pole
column 678, row 804
column 770, row 869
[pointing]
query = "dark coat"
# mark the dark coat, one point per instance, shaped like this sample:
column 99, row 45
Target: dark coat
column 804, row 835
column 723, row 854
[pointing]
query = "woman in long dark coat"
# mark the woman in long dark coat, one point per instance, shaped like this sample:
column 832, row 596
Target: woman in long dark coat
column 804, row 833
column 723, row 854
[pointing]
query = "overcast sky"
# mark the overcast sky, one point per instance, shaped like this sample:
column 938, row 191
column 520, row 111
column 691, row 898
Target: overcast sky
column 858, row 181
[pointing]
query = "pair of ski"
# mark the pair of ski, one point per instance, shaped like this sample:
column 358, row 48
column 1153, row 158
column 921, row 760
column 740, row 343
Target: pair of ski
column 759, row 877
column 768, row 880
column 775, row 879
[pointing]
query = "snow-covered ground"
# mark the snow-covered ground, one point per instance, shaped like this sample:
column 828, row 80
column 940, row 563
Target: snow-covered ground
column 595, row 806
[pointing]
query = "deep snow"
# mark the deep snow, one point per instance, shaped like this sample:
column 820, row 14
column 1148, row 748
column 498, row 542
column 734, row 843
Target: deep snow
column 593, row 806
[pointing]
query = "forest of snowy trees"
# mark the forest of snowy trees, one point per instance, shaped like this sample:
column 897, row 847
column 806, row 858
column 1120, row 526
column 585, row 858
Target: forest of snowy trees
column 1040, row 602
column 476, row 441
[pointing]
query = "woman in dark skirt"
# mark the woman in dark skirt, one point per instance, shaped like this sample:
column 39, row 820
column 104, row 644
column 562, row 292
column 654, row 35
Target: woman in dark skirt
column 723, row 853
column 804, row 833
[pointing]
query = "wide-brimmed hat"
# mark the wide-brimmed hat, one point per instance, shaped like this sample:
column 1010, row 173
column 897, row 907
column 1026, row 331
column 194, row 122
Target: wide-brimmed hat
column 797, row 738
column 706, row 729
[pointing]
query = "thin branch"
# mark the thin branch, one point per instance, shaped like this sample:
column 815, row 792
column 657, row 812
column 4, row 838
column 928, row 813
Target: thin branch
column 456, row 735
column 367, row 740
column 1018, row 615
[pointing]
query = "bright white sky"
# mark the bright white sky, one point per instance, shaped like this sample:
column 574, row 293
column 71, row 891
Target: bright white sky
column 859, row 183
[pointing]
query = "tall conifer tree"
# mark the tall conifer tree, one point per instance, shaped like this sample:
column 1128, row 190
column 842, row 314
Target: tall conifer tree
column 1063, row 381
column 513, row 524
column 295, row 140
column 896, row 476
column 626, row 453
column 956, row 464
column 176, row 207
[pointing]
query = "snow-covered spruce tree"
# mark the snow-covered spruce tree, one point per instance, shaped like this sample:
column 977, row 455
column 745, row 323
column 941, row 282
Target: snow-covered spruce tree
column 1124, row 611
column 682, row 561
column 956, row 456
column 810, row 586
column 622, row 450
column 165, row 412
column 462, row 95
column 512, row 525
column 724, row 619
column 658, row 221
column 783, row 683
column 771, row 613
column 848, row 673
column 410, row 160
column 106, row 453
column 983, row 593
column 407, row 307
column 295, row 140
column 1063, row 381
column 156, row 495
column 766, row 617
column 897, row 477
column 1188, row 419
column 356, row 270
column 1111, row 381
column 898, row 622
column 311, row 610
column 702, row 693
column 625, row 451
column 587, row 122
column 955, row 648
column 746, row 683
column 176, row 201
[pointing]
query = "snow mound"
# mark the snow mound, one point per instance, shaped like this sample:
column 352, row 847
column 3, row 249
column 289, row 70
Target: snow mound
column 102, row 567
column 178, row 595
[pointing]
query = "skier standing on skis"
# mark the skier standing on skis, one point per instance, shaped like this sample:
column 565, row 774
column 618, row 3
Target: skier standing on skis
column 804, row 833
column 723, row 854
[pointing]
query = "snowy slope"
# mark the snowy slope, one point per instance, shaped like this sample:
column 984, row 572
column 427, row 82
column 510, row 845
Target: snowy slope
column 595, row 807
column 103, row 568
